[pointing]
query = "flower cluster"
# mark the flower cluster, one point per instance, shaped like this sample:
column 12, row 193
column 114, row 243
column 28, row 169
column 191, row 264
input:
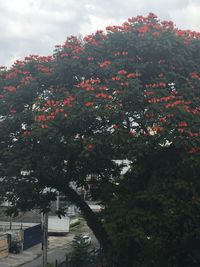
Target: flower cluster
column 195, row 75
column 10, row 88
column 44, row 69
column 158, row 100
column 88, row 85
column 156, row 85
column 105, row 96
column 104, row 64
column 109, row 75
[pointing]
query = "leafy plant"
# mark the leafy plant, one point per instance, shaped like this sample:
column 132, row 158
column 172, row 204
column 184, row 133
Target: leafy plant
column 80, row 254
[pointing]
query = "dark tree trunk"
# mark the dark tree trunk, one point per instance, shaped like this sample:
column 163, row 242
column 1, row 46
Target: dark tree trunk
column 92, row 220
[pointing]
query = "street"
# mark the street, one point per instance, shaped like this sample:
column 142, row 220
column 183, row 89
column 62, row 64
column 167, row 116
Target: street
column 58, row 247
column 59, row 253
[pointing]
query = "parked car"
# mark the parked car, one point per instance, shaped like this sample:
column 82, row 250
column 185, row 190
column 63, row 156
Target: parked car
column 86, row 239
column 82, row 239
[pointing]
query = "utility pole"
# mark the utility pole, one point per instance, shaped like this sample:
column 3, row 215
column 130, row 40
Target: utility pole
column 10, row 222
column 44, row 238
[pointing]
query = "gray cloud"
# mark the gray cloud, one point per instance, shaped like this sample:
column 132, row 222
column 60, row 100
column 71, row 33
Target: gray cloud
column 35, row 26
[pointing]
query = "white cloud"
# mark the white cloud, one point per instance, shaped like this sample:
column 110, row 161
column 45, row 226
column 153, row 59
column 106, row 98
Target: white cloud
column 188, row 16
column 97, row 23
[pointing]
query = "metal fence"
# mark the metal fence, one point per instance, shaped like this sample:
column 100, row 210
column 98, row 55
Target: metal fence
column 32, row 236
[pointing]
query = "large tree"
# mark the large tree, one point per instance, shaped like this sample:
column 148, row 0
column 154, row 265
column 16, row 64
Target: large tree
column 127, row 93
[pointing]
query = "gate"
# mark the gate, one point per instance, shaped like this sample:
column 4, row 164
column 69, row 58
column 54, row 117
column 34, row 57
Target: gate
column 32, row 236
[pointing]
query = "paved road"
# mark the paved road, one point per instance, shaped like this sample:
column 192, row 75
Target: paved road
column 58, row 248
column 58, row 254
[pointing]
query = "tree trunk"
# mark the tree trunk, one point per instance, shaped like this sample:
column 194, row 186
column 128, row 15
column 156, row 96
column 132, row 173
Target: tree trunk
column 92, row 220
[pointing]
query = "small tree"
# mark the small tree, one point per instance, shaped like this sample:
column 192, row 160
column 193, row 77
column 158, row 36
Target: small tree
column 80, row 255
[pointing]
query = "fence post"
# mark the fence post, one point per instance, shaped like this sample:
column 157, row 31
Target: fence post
column 44, row 238
column 66, row 261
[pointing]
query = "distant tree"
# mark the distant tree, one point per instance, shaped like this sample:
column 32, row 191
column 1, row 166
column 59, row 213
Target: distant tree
column 127, row 93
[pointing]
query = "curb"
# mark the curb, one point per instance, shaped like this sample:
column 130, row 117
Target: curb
column 21, row 264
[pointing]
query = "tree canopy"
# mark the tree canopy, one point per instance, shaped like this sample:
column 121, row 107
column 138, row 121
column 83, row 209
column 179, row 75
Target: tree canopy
column 130, row 92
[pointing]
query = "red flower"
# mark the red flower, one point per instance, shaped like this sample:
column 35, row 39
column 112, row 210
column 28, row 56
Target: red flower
column 122, row 72
column 116, row 78
column 132, row 75
column 13, row 111
column 181, row 130
column 156, row 34
column 103, row 87
column 144, row 29
column 27, row 133
column 131, row 133
column 193, row 150
column 44, row 126
column 11, row 75
column 104, row 64
column 182, row 124
column 90, row 147
column 116, row 126
column 64, row 55
column 102, row 95
column 89, row 104
column 195, row 75
column 10, row 88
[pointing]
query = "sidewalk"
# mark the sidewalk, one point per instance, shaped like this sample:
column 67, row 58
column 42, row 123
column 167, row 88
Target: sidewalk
column 55, row 242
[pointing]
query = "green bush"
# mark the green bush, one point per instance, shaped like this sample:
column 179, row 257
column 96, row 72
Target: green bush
column 80, row 254
column 75, row 223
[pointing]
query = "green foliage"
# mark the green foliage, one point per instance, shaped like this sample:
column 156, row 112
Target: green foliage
column 80, row 254
column 131, row 93
column 75, row 223
column 155, row 212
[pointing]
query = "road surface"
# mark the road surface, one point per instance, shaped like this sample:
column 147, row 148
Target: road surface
column 59, row 253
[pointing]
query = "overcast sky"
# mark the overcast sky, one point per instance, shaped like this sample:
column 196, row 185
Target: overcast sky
column 36, row 26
